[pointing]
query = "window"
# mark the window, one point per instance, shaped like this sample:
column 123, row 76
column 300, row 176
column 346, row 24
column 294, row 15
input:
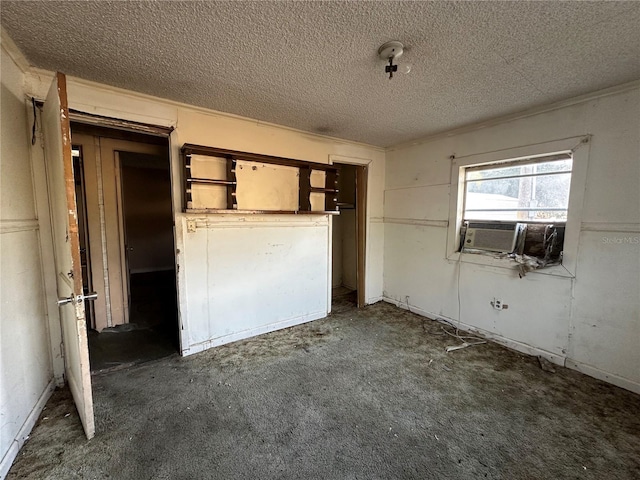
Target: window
column 518, row 206
column 555, row 204
column 531, row 190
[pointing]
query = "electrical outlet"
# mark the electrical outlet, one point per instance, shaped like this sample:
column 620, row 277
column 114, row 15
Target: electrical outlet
column 497, row 304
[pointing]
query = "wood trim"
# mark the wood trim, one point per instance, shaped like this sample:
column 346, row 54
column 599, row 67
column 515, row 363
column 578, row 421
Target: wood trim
column 210, row 181
column 113, row 232
column 255, row 222
column 103, row 126
column 190, row 149
column 187, row 197
column 124, row 258
column 610, row 227
column 118, row 134
column 258, row 212
column 231, row 183
column 11, row 226
column 331, row 190
column 90, row 164
column 304, row 189
column 361, row 225
column 417, row 221
column 118, row 124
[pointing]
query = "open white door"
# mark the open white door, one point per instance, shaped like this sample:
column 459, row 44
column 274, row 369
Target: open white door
column 66, row 242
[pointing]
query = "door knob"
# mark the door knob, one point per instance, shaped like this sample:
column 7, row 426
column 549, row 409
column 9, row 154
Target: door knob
column 77, row 298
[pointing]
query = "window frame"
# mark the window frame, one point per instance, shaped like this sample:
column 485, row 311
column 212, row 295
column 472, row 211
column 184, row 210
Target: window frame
column 577, row 146
column 529, row 161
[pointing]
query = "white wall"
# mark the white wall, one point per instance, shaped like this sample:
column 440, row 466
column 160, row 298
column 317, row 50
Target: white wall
column 227, row 287
column 25, row 361
column 591, row 319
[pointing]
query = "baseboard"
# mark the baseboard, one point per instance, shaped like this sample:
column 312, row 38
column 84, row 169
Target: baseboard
column 372, row 300
column 604, row 376
column 25, row 430
column 506, row 342
column 252, row 332
column 561, row 360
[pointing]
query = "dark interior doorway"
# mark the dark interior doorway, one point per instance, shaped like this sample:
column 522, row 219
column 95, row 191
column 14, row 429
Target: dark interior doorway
column 142, row 214
column 348, row 242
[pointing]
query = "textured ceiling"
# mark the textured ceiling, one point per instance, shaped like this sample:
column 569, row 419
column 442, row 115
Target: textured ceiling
column 314, row 65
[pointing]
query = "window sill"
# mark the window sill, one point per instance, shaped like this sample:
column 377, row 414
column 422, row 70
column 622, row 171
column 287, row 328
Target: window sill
column 499, row 261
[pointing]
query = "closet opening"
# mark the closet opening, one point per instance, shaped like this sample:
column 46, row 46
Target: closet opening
column 348, row 237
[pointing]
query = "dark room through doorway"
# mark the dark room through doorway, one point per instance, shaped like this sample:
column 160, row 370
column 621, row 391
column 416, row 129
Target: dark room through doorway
column 123, row 190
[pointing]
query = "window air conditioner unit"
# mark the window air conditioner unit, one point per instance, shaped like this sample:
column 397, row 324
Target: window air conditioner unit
column 492, row 236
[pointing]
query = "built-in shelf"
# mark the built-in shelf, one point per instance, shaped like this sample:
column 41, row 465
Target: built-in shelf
column 230, row 182
column 260, row 212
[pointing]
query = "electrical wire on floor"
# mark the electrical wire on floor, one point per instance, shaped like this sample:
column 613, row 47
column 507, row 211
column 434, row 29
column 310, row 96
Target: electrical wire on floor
column 465, row 339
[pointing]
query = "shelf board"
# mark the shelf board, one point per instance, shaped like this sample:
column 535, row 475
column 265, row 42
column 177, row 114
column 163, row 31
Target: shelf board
column 259, row 212
column 323, row 190
column 210, row 181
column 190, row 149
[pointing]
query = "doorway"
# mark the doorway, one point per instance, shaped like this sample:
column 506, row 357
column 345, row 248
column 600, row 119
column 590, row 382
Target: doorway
column 348, row 238
column 123, row 183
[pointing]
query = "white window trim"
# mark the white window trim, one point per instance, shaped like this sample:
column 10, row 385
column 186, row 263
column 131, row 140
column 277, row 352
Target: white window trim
column 578, row 146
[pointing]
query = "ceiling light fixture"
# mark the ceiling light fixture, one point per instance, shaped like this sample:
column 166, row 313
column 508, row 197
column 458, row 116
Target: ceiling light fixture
column 391, row 51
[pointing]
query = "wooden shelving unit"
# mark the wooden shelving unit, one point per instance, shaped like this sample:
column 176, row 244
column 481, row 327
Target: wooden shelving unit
column 330, row 189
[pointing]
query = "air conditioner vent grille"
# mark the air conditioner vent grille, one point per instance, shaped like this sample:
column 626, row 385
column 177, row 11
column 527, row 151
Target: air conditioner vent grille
column 492, row 236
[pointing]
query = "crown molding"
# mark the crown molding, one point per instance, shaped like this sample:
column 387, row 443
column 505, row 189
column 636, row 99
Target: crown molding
column 38, row 75
column 587, row 97
column 13, row 51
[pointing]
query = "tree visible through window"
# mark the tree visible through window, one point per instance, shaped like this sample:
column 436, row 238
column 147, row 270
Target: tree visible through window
column 524, row 191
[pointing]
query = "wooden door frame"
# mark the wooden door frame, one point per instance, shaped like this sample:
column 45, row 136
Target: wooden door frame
column 362, row 203
column 118, row 271
column 362, row 174
column 104, row 209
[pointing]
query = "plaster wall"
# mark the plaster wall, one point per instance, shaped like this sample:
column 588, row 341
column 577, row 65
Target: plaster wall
column 26, row 372
column 588, row 316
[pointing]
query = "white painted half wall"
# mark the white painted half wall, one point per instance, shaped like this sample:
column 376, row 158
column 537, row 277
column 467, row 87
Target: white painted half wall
column 246, row 276
column 241, row 275
column 590, row 321
column 26, row 372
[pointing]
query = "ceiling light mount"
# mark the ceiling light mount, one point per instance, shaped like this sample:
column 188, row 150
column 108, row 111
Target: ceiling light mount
column 391, row 51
